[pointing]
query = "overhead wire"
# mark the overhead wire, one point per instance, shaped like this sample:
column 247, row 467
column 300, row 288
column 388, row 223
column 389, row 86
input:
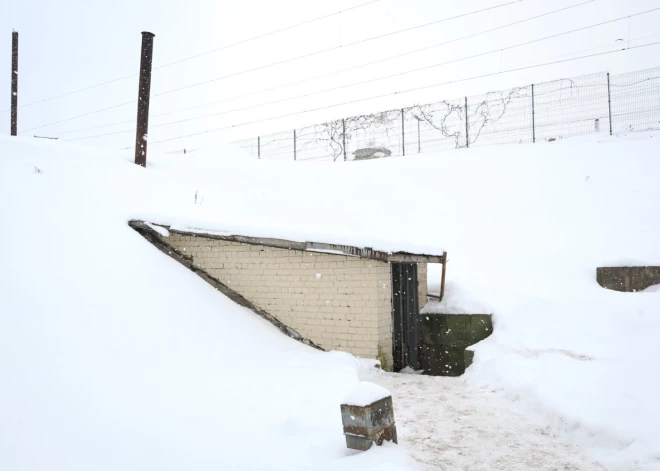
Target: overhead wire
column 389, row 76
column 304, row 56
column 335, row 48
column 398, row 74
column 342, row 70
column 502, row 72
column 313, row 20
column 195, row 56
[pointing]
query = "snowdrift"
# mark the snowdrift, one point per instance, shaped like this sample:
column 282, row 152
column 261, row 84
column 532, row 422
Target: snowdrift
column 114, row 356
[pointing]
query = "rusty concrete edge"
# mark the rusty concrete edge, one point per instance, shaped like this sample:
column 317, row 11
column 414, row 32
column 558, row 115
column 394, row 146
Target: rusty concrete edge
column 157, row 241
column 321, row 247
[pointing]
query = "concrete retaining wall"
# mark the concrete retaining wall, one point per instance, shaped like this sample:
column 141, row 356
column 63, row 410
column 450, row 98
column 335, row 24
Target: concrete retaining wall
column 445, row 338
column 627, row 279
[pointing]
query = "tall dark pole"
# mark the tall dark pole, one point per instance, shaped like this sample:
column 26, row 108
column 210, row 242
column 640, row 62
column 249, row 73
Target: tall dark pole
column 142, row 132
column 14, row 83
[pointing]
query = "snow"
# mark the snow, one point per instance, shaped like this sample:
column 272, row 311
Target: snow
column 160, row 230
column 114, row 356
column 365, row 393
column 456, row 300
column 446, row 425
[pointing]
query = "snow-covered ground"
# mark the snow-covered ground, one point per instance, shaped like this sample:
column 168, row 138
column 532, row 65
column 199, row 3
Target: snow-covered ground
column 113, row 356
column 447, row 425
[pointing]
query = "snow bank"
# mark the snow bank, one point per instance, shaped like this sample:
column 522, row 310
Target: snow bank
column 113, row 356
column 524, row 226
column 365, row 393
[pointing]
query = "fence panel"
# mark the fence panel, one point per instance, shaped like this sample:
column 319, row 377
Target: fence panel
column 550, row 110
column 503, row 117
column 636, row 101
column 570, row 107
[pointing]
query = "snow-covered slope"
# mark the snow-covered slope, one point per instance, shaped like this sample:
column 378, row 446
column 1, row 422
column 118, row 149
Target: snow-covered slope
column 113, row 356
column 99, row 332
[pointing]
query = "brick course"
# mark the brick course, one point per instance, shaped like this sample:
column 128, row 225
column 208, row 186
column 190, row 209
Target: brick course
column 337, row 301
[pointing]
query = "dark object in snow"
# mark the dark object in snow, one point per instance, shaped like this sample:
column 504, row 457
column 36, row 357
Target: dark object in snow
column 627, row 279
column 371, row 153
column 445, row 337
column 14, row 84
column 144, row 94
column 365, row 425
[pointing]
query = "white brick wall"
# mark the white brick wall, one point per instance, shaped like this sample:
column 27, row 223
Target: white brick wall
column 338, row 302
column 422, row 279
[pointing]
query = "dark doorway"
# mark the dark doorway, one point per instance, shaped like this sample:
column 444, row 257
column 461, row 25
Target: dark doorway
column 405, row 315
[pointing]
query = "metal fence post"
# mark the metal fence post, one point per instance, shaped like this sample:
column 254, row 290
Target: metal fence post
column 343, row 133
column 467, row 132
column 295, row 157
column 142, row 132
column 533, row 117
column 403, row 133
column 609, row 101
column 14, row 83
column 258, row 147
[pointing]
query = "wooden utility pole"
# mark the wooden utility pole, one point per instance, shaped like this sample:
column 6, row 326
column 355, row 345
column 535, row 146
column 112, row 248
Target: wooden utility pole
column 14, row 83
column 142, row 133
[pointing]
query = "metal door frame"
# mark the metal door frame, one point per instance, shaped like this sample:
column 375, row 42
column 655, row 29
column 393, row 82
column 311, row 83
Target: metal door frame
column 405, row 315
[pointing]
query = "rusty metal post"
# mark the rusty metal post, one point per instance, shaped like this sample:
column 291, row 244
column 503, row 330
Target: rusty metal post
column 467, row 127
column 144, row 92
column 14, row 83
column 343, row 133
column 444, row 271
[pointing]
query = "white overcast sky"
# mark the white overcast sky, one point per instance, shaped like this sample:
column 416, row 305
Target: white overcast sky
column 68, row 45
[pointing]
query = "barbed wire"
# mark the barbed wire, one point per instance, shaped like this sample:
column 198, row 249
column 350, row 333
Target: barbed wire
column 424, row 87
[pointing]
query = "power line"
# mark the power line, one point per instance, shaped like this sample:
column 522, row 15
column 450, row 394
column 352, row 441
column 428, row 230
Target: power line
column 79, row 116
column 301, row 57
column 335, row 48
column 377, row 61
column 398, row 74
column 344, row 70
column 75, row 91
column 254, row 38
column 405, row 91
column 313, row 20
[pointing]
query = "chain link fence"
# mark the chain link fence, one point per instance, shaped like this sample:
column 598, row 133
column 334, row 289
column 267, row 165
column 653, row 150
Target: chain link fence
column 595, row 103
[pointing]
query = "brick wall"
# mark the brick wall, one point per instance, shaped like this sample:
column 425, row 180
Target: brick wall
column 422, row 279
column 338, row 302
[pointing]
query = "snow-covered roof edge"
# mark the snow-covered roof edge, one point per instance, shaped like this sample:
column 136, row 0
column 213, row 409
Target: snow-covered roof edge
column 335, row 249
